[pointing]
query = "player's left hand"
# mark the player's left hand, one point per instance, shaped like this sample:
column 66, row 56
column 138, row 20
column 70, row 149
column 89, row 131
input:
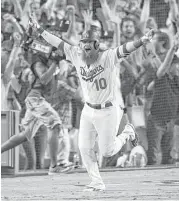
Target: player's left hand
column 148, row 36
column 33, row 22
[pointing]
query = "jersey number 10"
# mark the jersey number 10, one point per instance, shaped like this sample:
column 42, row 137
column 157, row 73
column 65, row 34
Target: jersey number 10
column 100, row 84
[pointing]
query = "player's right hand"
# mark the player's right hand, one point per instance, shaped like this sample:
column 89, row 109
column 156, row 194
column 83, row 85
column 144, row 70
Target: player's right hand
column 148, row 36
column 33, row 22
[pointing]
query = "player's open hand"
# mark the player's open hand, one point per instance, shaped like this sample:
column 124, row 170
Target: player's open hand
column 148, row 36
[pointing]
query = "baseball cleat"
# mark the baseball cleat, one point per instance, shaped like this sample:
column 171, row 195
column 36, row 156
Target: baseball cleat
column 131, row 133
column 94, row 187
column 67, row 164
column 90, row 189
column 135, row 138
column 59, row 170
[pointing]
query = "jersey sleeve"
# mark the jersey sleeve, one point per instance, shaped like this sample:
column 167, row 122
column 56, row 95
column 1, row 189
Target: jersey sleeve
column 120, row 53
column 114, row 56
column 70, row 52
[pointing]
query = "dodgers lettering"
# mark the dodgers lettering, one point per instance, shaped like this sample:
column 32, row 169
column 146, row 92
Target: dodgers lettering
column 90, row 75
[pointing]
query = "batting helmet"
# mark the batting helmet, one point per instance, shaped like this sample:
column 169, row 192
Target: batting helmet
column 91, row 35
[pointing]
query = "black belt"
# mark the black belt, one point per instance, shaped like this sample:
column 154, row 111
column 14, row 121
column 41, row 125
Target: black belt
column 99, row 106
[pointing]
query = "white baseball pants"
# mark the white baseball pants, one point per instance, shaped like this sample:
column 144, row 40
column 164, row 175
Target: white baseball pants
column 104, row 123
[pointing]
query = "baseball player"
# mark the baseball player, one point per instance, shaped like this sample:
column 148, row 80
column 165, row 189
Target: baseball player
column 103, row 108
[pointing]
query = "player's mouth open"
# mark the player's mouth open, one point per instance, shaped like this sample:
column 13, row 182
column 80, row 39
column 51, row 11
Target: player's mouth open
column 88, row 49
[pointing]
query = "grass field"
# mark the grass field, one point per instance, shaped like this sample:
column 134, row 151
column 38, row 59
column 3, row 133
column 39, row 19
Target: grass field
column 148, row 184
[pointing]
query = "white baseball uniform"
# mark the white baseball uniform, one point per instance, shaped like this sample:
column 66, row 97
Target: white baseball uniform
column 100, row 84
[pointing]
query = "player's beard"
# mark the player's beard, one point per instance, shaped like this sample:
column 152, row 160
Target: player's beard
column 89, row 57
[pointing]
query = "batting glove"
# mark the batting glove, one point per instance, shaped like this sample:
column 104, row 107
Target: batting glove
column 148, row 37
column 35, row 25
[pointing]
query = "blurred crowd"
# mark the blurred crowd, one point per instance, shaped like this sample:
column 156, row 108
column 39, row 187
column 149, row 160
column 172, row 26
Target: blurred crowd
column 149, row 77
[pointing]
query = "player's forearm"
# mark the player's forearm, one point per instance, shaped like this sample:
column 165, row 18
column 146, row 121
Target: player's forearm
column 50, row 38
column 132, row 46
column 165, row 66
column 47, row 76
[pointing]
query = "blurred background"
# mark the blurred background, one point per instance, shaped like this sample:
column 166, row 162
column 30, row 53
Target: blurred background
column 151, row 103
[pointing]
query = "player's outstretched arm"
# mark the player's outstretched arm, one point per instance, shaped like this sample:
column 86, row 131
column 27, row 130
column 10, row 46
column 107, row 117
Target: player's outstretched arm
column 129, row 47
column 132, row 46
column 50, row 38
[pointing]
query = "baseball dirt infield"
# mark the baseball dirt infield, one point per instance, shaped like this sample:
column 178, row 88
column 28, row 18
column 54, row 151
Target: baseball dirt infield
column 148, row 184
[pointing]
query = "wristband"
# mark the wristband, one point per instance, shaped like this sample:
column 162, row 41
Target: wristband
column 138, row 43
